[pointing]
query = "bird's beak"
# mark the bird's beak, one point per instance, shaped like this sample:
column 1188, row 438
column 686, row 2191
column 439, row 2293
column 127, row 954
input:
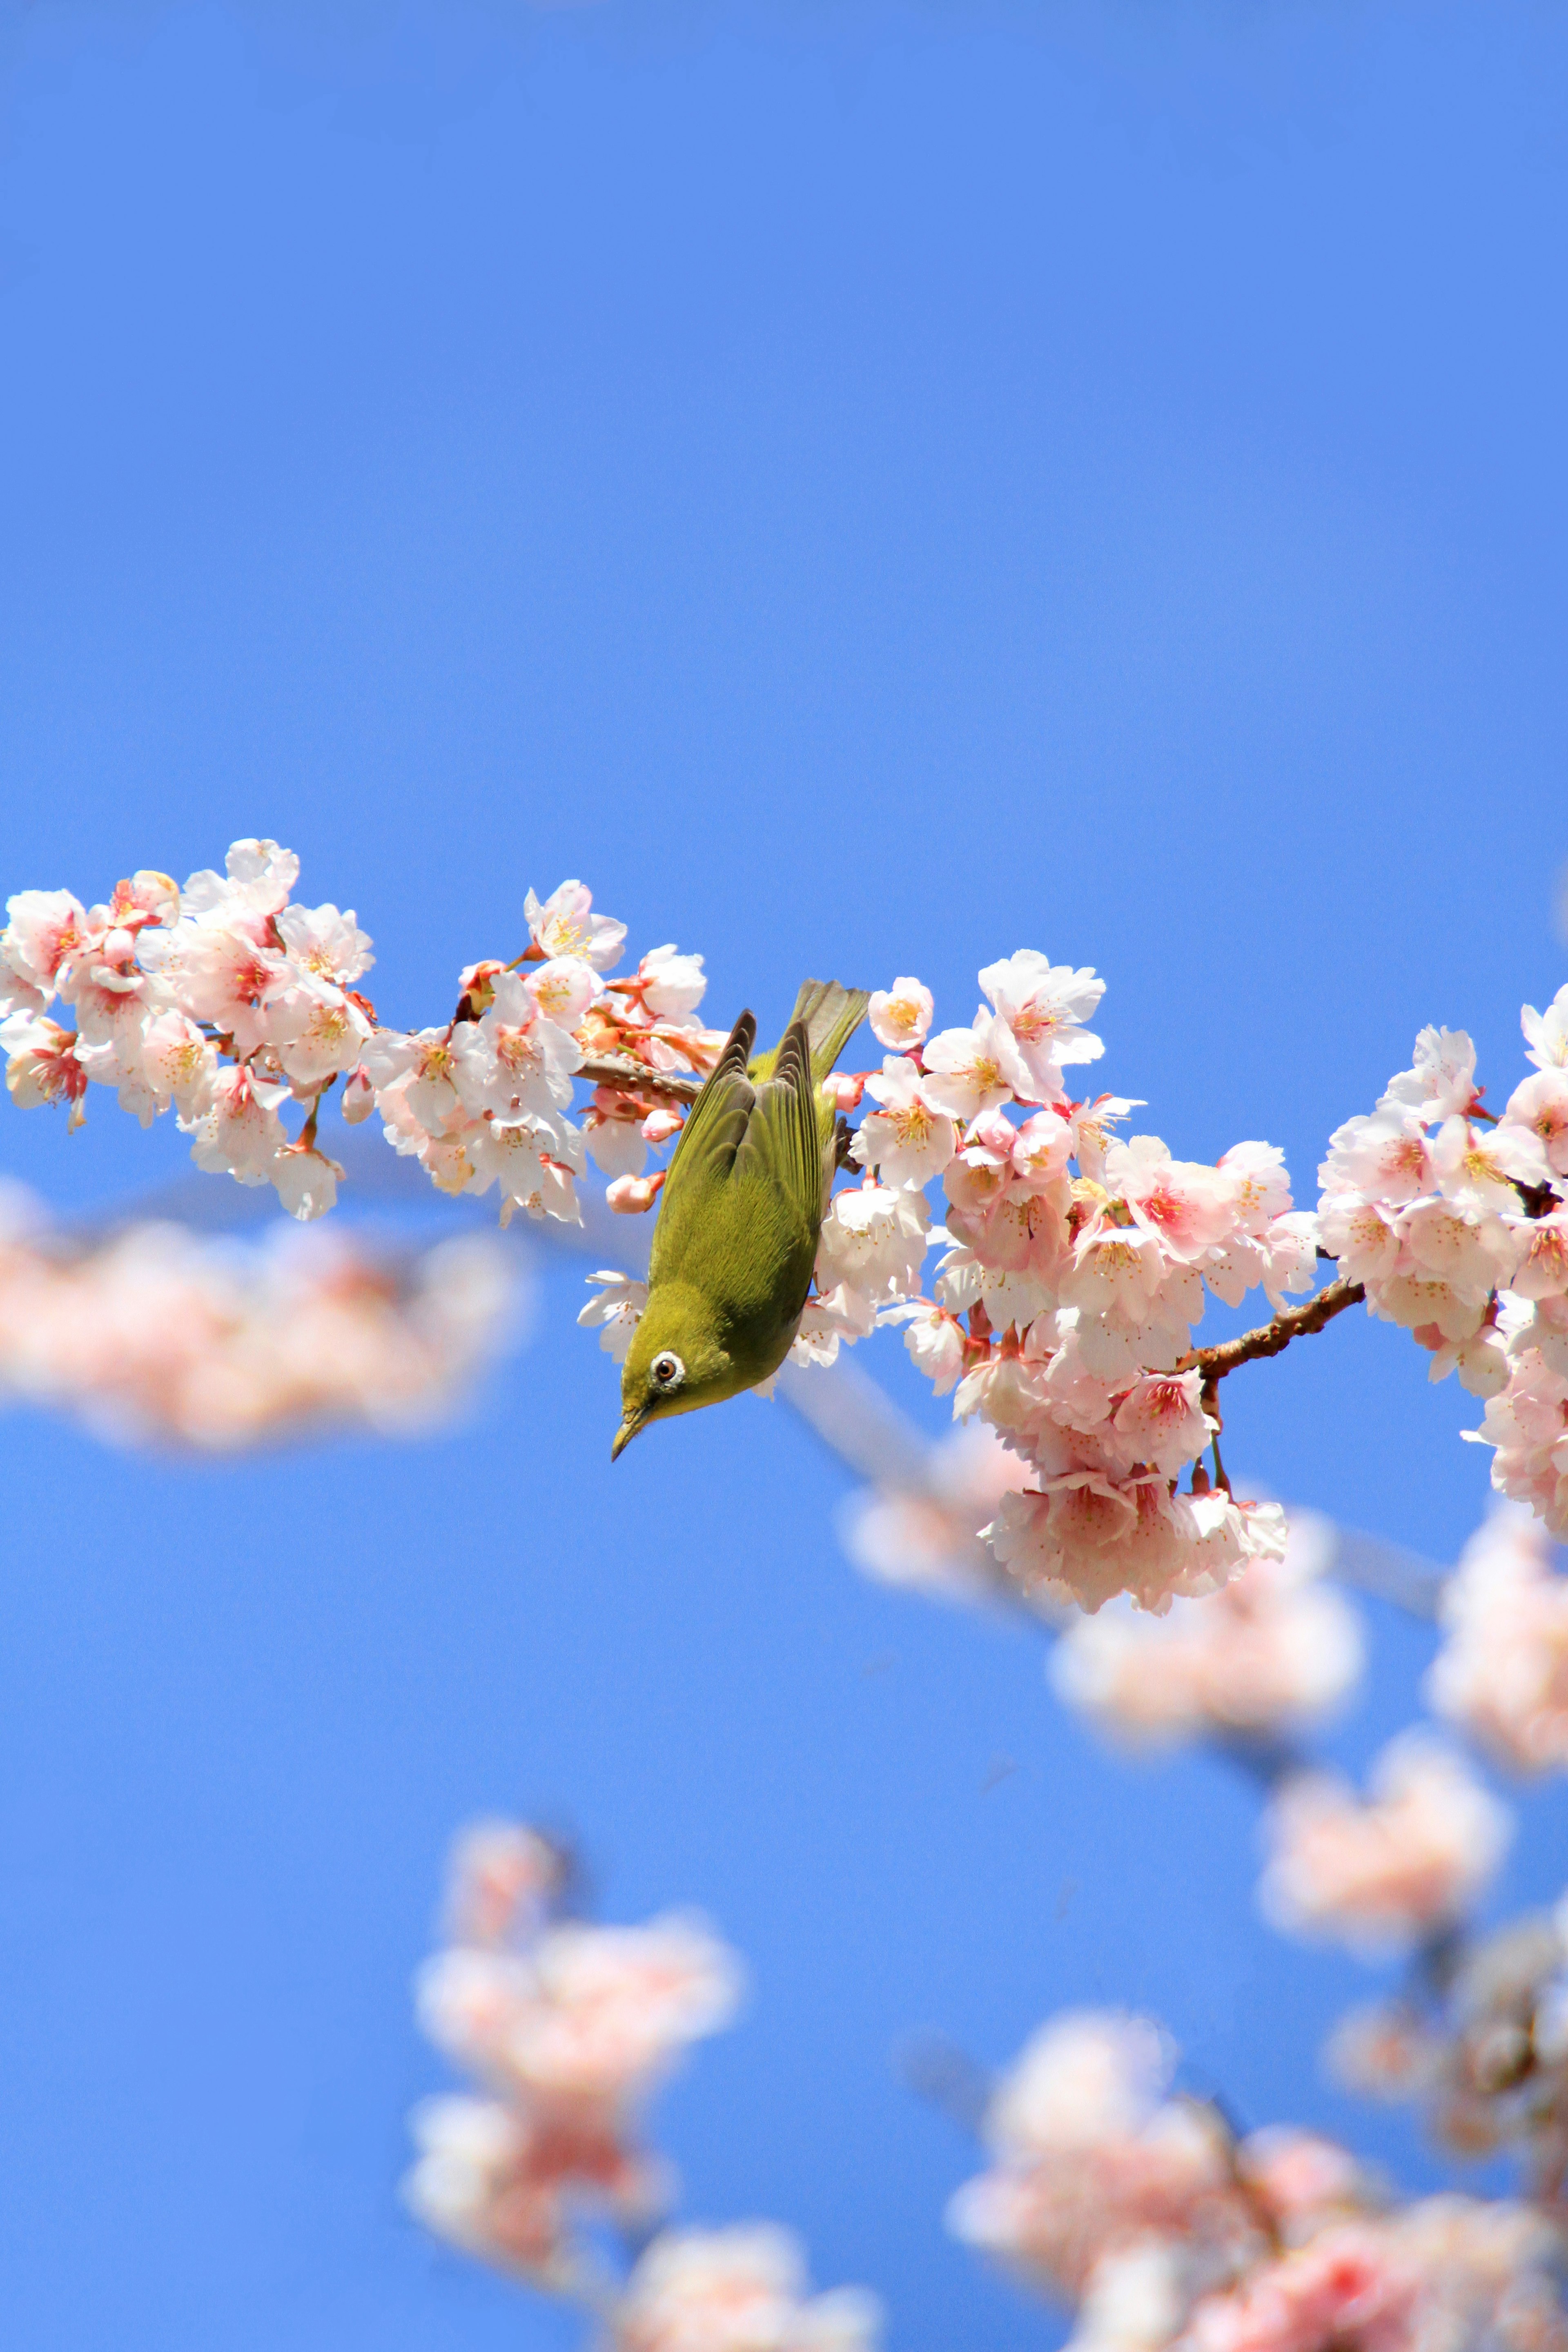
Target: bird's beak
column 624, row 1434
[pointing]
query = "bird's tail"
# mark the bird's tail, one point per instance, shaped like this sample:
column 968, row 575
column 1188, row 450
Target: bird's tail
column 831, row 1014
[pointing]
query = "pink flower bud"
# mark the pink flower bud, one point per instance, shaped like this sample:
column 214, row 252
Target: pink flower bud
column 630, row 1195
column 660, row 1125
column 359, row 1098
column 844, row 1088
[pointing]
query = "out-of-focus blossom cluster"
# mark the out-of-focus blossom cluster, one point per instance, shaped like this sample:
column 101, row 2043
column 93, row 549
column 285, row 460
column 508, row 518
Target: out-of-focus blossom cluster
column 925, row 1534
column 1482, row 2044
column 153, row 1334
column 1502, row 1674
column 1391, row 1871
column 1457, row 1224
column 1164, row 2229
column 740, row 2290
column 1274, row 1650
column 567, row 2028
column 229, row 1004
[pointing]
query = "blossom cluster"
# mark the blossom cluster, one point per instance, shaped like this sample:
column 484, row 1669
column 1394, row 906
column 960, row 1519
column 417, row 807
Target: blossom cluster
column 567, row 2028
column 1073, row 1268
column 1170, row 2233
column 1455, row 1223
column 152, row 1334
column 1399, row 1868
column 1501, row 1677
column 229, row 1004
column 1483, row 2046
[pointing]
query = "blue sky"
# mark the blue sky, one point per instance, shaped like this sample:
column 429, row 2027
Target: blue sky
column 869, row 487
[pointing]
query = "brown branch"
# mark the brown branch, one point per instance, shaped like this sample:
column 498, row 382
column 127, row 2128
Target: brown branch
column 1269, row 1339
column 620, row 1071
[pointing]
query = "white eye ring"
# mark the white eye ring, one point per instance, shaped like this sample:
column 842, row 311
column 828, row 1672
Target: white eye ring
column 668, row 1370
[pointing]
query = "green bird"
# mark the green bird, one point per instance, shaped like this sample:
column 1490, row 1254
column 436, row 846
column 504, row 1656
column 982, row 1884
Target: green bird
column 739, row 1217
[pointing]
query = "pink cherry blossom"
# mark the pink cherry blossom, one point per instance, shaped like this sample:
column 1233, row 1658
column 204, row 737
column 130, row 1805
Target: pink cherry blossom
column 324, row 944
column 1349, row 2291
column 1541, row 1105
column 1192, row 1210
column 1274, row 1649
column 562, row 991
column 910, row 1139
column 1502, row 1674
column 503, row 1878
column 669, row 983
column 43, row 929
column 240, row 1133
column 633, row 1196
column 1546, row 1034
column 614, row 1310
column 1380, row 1873
column 1441, row 1084
column 565, row 926
column 900, row 1016
column 42, row 1065
column 968, row 1071
column 1045, row 1006
column 1091, row 2158
column 737, row 2290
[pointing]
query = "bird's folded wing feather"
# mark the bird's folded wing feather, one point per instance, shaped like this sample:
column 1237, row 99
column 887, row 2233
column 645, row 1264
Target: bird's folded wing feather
column 782, row 1147
column 715, row 1128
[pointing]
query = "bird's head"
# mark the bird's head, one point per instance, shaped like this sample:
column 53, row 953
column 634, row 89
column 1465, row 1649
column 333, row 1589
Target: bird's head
column 675, row 1362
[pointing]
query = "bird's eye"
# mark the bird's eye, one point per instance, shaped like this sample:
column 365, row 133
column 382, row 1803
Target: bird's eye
column 668, row 1370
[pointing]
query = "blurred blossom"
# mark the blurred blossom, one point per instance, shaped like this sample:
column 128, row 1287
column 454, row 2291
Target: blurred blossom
column 1091, row 2158
column 1485, row 2053
column 1503, row 1673
column 1273, row 1651
column 1276, row 2242
column 503, row 1878
column 738, row 2290
column 568, row 2027
column 1384, row 1872
column 157, row 1334
column 927, row 1535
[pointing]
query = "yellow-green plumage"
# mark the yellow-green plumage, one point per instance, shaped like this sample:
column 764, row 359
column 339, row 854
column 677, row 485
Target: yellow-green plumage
column 739, row 1216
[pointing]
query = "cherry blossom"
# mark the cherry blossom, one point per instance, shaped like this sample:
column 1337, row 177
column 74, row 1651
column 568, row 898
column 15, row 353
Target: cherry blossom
column 1273, row 1651
column 1502, row 1674
column 568, row 2027
column 1045, row 1007
column 1381, row 1875
column 910, row 1138
column 1091, row 2158
column 565, row 926
column 1545, row 1033
column 900, row 1016
column 976, row 1070
column 737, row 2290
column 155, row 1336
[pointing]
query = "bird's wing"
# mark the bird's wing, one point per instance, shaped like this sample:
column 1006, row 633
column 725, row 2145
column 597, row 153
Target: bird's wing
column 783, row 1147
column 715, row 1127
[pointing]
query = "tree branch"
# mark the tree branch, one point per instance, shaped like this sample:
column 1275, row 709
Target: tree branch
column 635, row 1077
column 1269, row 1339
